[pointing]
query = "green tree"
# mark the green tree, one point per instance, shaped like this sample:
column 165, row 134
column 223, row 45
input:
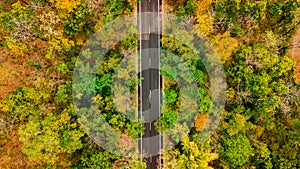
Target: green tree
column 48, row 134
column 170, row 95
column 92, row 158
column 236, row 151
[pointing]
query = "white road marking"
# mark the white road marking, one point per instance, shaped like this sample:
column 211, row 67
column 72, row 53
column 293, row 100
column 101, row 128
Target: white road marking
column 159, row 80
column 140, row 56
column 159, row 95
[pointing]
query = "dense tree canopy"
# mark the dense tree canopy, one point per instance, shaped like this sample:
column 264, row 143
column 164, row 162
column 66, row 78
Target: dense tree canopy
column 39, row 124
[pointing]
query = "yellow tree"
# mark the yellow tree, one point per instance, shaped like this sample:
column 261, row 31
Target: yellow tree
column 192, row 156
column 224, row 45
column 204, row 18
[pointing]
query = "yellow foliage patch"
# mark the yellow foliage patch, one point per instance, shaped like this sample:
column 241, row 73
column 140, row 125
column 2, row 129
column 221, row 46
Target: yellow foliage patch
column 67, row 5
column 203, row 5
column 224, row 45
column 203, row 18
column 204, row 23
column 59, row 43
column 239, row 121
column 18, row 8
column 16, row 47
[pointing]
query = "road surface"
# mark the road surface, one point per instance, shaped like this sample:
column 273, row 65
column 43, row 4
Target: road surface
column 149, row 90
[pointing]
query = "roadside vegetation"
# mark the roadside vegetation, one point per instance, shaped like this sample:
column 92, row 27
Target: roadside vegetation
column 260, row 124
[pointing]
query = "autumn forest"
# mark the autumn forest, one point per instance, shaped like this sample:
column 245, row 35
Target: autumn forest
column 257, row 43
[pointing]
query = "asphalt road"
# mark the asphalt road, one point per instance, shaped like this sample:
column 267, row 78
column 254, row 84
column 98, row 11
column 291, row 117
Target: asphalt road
column 149, row 90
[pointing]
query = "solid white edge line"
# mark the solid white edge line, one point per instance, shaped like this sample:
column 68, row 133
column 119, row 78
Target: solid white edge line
column 140, row 58
column 159, row 81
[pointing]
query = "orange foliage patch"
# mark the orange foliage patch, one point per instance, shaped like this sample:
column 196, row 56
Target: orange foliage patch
column 10, row 73
column 11, row 154
column 200, row 121
column 15, row 70
column 176, row 3
column 126, row 143
column 294, row 52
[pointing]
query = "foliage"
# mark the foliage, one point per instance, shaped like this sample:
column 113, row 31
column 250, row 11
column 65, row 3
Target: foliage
column 113, row 9
column 190, row 156
column 224, row 46
column 237, row 150
column 203, row 17
column 46, row 136
column 16, row 47
column 200, row 121
column 103, row 84
column 19, row 22
column 62, row 95
column 68, row 5
column 76, row 21
column 128, row 163
column 50, row 24
column 170, row 96
column 92, row 158
column 167, row 120
column 40, row 42
column 11, row 154
column 183, row 7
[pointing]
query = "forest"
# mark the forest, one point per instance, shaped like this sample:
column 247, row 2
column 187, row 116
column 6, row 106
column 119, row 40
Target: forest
column 255, row 40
